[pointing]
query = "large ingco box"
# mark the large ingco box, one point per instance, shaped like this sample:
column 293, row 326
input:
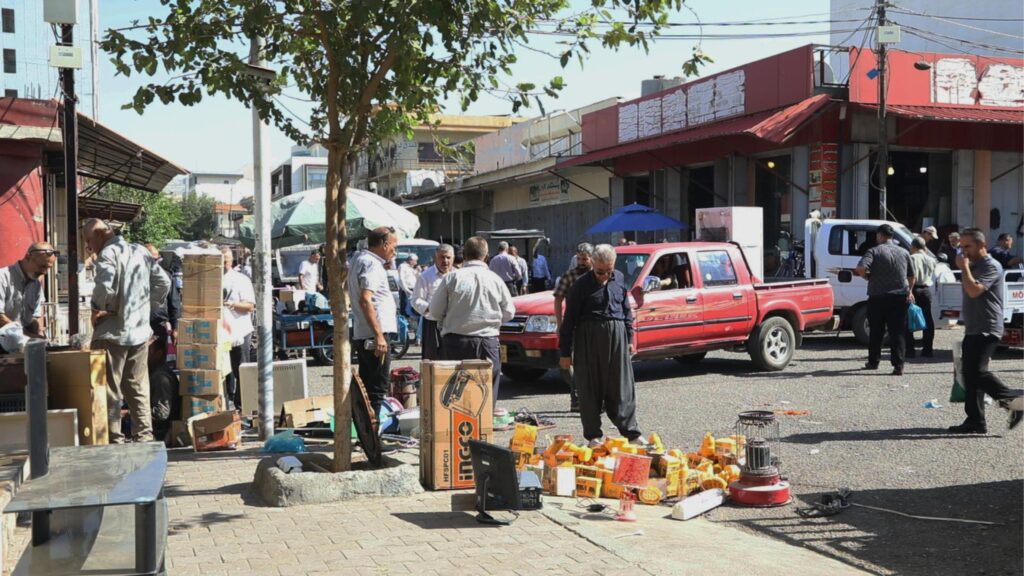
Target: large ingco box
column 198, row 331
column 200, row 357
column 200, row 383
column 455, row 407
column 195, row 405
column 202, row 280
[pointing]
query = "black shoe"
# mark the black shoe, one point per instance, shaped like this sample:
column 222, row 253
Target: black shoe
column 871, row 366
column 574, row 407
column 911, row 354
column 927, row 353
column 966, row 428
column 897, row 370
column 1014, row 419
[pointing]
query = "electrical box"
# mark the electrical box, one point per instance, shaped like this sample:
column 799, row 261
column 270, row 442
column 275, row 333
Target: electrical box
column 741, row 224
column 890, row 34
column 60, row 11
column 66, row 57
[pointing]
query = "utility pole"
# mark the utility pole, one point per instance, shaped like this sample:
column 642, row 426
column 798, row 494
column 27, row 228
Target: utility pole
column 94, row 25
column 69, row 129
column 261, row 257
column 882, row 162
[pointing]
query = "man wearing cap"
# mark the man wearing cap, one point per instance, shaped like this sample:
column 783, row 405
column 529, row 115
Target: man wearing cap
column 21, row 292
column 931, row 239
column 890, row 277
column 923, row 265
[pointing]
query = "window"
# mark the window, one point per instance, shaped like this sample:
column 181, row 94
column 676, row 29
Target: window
column 10, row 93
column 674, row 271
column 316, row 177
column 630, row 265
column 10, row 61
column 716, row 268
column 835, row 241
column 7, row 15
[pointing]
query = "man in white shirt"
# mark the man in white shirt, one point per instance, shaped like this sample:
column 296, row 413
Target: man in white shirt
column 408, row 272
column 425, row 288
column 239, row 302
column 309, row 273
column 524, row 271
column 374, row 316
column 471, row 304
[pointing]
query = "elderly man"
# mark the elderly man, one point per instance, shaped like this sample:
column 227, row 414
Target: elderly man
column 471, row 304
column 951, row 249
column 524, row 271
column 931, row 239
column 890, row 278
column 374, row 314
column 982, row 313
column 596, row 339
column 426, row 286
column 408, row 272
column 565, row 282
column 21, row 292
column 129, row 282
column 506, row 266
column 170, row 310
column 239, row 302
column 923, row 265
column 540, row 274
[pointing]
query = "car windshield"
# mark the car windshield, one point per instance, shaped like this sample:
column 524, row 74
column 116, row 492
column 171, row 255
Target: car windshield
column 630, row 265
column 424, row 253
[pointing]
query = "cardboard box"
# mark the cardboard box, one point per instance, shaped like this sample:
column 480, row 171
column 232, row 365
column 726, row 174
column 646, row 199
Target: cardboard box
column 292, row 298
column 218, row 431
column 78, row 379
column 195, row 405
column 300, row 413
column 455, row 407
column 524, row 439
column 204, row 312
column 588, row 487
column 179, row 435
column 202, row 280
column 199, row 357
column 560, row 480
column 198, row 331
column 201, row 383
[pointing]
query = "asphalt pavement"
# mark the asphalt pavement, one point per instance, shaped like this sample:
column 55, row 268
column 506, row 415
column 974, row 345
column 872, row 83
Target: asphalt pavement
column 866, row 430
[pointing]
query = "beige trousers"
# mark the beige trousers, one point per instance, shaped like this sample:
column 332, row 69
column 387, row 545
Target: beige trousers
column 128, row 379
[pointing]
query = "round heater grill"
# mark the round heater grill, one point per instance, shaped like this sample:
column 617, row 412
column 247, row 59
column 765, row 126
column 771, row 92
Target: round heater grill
column 760, row 496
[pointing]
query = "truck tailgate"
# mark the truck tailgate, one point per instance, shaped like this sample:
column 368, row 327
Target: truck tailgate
column 813, row 299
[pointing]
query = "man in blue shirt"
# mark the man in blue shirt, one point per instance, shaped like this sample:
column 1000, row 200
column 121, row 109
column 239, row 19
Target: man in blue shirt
column 540, row 274
column 1003, row 253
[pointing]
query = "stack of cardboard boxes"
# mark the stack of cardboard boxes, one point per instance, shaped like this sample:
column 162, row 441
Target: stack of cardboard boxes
column 200, row 341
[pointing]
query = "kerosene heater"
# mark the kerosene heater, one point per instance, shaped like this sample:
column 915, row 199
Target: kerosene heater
column 760, row 483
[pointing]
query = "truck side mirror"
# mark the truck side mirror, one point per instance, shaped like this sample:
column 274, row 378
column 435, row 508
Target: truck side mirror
column 845, row 276
column 651, row 284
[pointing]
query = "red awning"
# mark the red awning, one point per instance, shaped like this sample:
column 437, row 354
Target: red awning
column 953, row 113
column 776, row 125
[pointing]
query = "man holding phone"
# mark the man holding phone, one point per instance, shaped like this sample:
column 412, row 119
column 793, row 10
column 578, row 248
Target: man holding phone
column 374, row 315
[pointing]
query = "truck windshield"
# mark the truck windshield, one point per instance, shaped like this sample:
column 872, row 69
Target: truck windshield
column 630, row 265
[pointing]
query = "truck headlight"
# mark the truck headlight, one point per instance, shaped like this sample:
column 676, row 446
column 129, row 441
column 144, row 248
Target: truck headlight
column 541, row 324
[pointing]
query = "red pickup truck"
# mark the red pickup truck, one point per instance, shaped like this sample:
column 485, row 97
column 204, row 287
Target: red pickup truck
column 688, row 299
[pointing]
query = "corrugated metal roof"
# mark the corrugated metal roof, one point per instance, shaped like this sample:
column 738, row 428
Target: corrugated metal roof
column 954, row 113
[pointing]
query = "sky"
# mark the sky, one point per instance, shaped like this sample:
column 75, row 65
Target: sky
column 216, row 135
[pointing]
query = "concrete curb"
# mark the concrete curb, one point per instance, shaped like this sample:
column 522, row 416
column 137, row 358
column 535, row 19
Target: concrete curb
column 396, row 478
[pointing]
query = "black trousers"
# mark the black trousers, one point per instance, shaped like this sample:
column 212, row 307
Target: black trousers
column 978, row 381
column 375, row 372
column 431, row 340
column 923, row 298
column 239, row 355
column 513, row 287
column 459, row 347
column 887, row 313
column 538, row 285
column 604, row 378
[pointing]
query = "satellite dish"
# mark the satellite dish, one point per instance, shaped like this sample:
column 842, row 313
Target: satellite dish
column 427, row 184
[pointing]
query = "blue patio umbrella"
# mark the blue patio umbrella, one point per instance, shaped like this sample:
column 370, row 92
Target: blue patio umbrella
column 636, row 218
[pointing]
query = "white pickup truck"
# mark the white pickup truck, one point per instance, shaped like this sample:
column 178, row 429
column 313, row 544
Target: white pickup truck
column 950, row 296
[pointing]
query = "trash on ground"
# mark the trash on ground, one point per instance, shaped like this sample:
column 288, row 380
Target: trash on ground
column 285, row 442
column 933, row 403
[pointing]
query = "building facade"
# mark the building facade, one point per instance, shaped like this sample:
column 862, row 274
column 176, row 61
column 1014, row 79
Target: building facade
column 306, row 168
column 224, row 187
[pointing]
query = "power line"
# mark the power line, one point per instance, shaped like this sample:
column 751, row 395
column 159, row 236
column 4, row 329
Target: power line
column 718, row 24
column 758, row 36
column 971, row 43
column 968, row 26
column 968, row 18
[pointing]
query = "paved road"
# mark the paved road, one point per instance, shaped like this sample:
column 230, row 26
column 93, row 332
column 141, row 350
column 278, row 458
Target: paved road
column 866, row 430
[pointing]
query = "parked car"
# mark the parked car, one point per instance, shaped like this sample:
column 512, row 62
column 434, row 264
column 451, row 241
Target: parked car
column 714, row 303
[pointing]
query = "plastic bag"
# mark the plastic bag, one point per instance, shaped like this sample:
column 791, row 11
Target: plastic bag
column 12, row 337
column 957, row 393
column 285, row 443
column 915, row 318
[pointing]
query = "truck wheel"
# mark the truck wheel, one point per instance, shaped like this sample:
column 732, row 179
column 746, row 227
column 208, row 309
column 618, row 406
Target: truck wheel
column 771, row 345
column 325, row 356
column 523, row 373
column 690, row 359
column 859, row 324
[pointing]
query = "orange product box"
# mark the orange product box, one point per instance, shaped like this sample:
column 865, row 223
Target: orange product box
column 455, row 407
column 524, row 438
column 216, row 431
column 588, row 487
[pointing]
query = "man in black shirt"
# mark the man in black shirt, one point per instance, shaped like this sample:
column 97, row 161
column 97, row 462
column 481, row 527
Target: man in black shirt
column 598, row 324
column 890, row 278
column 164, row 399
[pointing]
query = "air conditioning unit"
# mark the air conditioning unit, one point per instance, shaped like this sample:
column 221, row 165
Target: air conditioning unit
column 291, row 382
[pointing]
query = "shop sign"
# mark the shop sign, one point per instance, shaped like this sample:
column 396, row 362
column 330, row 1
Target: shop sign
column 549, row 192
column 823, row 179
column 722, row 96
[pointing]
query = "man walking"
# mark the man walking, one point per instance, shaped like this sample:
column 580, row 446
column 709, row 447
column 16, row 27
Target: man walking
column 471, row 304
column 505, row 266
column 596, row 339
column 374, row 315
column 982, row 313
column 239, row 302
column 426, row 286
column 540, row 274
column 128, row 283
column 21, row 292
column 890, row 278
column 923, row 265
column 309, row 273
column 565, row 282
column 524, row 272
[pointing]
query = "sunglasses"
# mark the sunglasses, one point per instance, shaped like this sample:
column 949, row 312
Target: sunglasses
column 45, row 252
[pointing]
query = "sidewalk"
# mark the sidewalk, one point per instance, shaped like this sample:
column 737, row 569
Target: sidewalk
column 217, row 526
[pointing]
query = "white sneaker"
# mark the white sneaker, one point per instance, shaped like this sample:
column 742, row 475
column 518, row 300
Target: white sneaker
column 595, row 443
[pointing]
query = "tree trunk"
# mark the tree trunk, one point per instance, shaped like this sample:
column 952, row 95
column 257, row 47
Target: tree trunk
column 338, row 176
